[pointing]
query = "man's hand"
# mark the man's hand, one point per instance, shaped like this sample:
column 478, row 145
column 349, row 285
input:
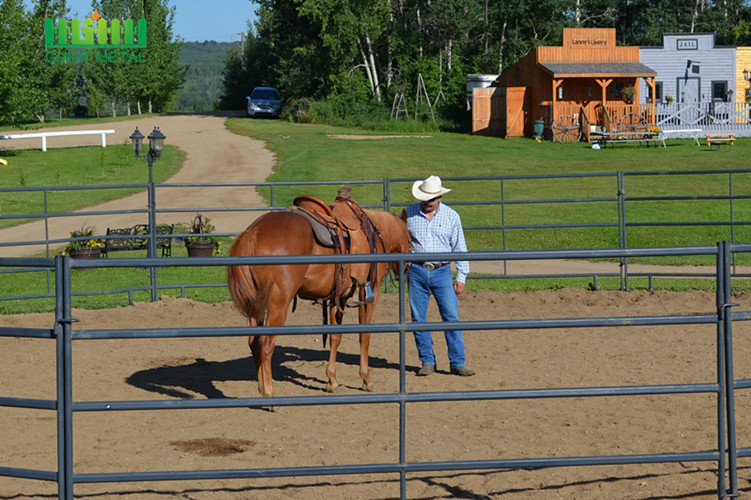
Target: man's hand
column 458, row 287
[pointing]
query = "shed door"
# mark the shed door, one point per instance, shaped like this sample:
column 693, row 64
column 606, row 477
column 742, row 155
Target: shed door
column 487, row 106
column 515, row 111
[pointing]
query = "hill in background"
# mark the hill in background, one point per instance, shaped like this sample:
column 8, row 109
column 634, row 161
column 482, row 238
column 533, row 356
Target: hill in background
column 203, row 79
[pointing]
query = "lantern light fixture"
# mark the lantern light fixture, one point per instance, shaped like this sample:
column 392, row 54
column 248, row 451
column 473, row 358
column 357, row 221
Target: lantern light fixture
column 156, row 146
column 136, row 138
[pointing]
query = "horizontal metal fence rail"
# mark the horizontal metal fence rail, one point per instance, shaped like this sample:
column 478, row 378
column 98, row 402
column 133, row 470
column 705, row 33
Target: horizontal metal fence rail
column 725, row 454
column 618, row 218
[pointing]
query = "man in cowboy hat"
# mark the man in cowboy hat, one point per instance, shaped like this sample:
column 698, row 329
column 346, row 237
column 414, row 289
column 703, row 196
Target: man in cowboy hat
column 435, row 227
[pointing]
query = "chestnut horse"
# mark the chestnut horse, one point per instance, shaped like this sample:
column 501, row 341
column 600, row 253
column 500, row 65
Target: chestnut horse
column 263, row 293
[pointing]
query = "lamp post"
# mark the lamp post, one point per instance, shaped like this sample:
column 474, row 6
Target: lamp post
column 156, row 145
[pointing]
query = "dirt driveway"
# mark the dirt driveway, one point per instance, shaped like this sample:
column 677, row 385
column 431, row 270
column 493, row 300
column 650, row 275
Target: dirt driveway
column 213, row 155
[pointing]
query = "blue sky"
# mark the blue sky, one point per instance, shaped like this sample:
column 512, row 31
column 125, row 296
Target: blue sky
column 195, row 21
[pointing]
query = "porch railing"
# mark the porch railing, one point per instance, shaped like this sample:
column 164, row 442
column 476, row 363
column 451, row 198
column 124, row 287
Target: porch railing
column 718, row 117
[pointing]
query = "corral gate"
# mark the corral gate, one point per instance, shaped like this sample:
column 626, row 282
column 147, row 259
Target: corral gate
column 724, row 455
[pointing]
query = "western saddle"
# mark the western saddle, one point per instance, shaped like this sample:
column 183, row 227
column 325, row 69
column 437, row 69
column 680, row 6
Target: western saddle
column 346, row 228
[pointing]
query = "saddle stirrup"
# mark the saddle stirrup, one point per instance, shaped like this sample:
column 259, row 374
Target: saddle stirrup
column 366, row 295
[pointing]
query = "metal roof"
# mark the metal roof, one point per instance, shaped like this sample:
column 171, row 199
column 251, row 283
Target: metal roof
column 597, row 69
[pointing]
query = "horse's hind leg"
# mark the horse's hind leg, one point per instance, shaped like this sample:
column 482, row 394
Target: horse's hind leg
column 262, row 348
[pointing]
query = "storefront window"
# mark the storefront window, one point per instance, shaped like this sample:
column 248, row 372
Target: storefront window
column 719, row 91
column 658, row 93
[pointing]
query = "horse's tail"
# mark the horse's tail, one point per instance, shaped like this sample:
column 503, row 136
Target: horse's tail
column 247, row 293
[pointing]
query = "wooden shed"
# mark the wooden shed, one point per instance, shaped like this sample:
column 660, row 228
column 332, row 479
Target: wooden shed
column 578, row 84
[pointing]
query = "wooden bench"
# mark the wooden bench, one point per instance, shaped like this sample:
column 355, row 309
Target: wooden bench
column 605, row 138
column 137, row 238
column 720, row 139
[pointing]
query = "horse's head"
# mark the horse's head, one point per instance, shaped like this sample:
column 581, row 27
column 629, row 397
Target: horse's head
column 393, row 234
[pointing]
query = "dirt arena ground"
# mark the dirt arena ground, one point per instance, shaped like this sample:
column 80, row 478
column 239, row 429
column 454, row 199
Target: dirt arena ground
column 326, row 435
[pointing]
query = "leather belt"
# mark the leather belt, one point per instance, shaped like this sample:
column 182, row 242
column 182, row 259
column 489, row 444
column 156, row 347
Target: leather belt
column 430, row 266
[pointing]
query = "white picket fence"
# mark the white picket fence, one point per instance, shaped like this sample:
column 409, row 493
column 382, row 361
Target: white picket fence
column 711, row 117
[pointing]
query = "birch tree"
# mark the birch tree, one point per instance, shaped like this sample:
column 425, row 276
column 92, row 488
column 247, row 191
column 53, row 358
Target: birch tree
column 350, row 31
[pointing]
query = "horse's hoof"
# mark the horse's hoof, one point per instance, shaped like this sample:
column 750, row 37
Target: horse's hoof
column 333, row 390
column 272, row 409
column 370, row 388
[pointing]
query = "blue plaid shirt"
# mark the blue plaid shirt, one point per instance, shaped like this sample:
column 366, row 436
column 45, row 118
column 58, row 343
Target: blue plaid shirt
column 442, row 233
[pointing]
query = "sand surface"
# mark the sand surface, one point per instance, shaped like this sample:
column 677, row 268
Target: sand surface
column 302, row 436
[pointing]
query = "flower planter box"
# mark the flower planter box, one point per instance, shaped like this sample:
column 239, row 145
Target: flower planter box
column 201, row 249
column 86, row 253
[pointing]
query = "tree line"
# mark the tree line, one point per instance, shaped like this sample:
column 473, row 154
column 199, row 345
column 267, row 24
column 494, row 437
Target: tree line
column 36, row 81
column 352, row 51
column 351, row 55
column 202, row 85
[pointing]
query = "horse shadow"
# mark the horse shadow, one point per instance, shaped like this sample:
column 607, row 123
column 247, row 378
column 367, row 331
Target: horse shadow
column 201, row 376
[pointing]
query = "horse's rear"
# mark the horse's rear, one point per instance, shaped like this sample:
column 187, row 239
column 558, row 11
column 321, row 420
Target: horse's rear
column 263, row 293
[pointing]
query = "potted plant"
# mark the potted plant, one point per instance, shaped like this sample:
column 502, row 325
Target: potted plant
column 669, row 99
column 628, row 94
column 90, row 248
column 200, row 245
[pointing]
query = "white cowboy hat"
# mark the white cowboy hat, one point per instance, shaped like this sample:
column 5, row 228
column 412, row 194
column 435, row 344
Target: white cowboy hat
column 428, row 189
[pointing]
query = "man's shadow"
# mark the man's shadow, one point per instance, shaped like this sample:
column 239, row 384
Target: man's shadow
column 201, row 376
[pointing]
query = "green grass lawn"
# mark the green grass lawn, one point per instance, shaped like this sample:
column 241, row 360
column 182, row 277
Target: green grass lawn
column 314, row 153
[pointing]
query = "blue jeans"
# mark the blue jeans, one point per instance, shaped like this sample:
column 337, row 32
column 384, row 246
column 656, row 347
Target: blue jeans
column 440, row 283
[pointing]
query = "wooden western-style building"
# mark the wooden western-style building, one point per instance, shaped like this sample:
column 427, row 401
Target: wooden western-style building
column 590, row 80
column 743, row 74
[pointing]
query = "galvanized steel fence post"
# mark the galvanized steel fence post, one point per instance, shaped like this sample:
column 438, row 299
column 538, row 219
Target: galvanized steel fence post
column 63, row 330
column 724, row 294
column 386, row 195
column 622, row 233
